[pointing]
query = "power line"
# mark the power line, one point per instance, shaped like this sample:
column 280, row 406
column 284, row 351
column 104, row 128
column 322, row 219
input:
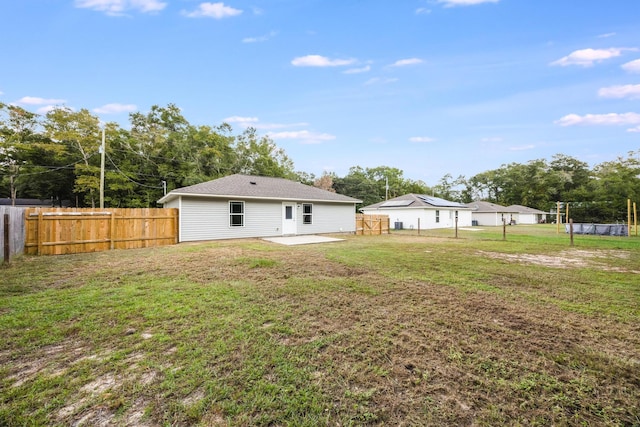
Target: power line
column 123, row 174
column 55, row 168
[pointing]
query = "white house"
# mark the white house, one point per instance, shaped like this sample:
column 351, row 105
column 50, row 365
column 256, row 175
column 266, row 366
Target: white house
column 413, row 211
column 240, row 206
column 527, row 215
column 491, row 214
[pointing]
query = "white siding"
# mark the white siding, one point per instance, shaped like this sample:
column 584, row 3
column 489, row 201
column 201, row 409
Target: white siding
column 328, row 218
column 409, row 217
column 523, row 218
column 208, row 219
column 488, row 218
column 174, row 203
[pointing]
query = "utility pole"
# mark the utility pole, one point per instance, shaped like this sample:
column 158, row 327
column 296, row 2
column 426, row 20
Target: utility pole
column 386, row 188
column 102, row 154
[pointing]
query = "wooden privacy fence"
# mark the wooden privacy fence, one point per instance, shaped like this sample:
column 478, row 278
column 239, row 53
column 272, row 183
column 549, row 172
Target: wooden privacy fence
column 11, row 232
column 372, row 224
column 54, row 231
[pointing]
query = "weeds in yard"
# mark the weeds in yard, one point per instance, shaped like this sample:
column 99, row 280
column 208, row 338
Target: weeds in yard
column 399, row 329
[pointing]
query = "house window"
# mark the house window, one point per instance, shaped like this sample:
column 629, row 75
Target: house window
column 437, row 216
column 236, row 214
column 288, row 212
column 307, row 213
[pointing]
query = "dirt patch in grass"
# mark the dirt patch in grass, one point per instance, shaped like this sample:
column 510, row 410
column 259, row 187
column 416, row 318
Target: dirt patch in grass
column 568, row 259
column 259, row 335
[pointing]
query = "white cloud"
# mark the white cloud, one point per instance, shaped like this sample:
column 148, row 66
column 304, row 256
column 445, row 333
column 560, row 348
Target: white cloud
column 254, row 122
column 587, row 57
column 320, row 61
column 44, row 110
column 259, row 39
column 378, row 80
column 451, row 3
column 423, row 11
column 622, row 91
column 115, row 108
column 35, row 100
column 364, row 69
column 600, row 119
column 606, row 36
column 632, row 67
column 243, row 121
column 119, row 7
column 421, row 139
column 405, row 62
column 635, row 129
column 304, row 136
column 213, row 10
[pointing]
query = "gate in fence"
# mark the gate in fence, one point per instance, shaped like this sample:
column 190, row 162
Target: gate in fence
column 372, row 224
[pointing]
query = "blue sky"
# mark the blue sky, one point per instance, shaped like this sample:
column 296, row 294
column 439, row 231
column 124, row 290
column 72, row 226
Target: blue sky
column 428, row 86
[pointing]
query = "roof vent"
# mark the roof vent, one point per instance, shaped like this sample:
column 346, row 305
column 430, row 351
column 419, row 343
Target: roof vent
column 253, row 183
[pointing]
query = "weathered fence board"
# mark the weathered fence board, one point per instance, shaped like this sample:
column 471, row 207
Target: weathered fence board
column 16, row 231
column 54, row 231
column 372, row 224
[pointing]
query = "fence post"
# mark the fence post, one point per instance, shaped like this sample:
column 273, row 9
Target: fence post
column 7, row 251
column 40, row 231
column 571, row 230
column 176, row 220
column 456, row 226
column 504, row 229
column 112, row 230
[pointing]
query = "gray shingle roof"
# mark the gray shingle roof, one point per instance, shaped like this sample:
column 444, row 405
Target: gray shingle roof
column 485, row 207
column 526, row 209
column 415, row 201
column 258, row 187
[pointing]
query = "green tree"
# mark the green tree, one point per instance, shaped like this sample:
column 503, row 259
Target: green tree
column 17, row 131
column 451, row 189
column 79, row 133
column 259, row 155
column 616, row 182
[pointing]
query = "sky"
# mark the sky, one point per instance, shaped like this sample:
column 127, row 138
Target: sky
column 431, row 87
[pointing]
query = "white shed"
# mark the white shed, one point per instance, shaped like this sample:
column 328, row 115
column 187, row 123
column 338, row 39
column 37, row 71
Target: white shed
column 241, row 206
column 416, row 210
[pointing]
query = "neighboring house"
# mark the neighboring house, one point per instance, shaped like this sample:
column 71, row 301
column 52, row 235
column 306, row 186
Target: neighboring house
column 240, row 206
column 33, row 203
column 416, row 210
column 527, row 215
column 26, row 203
column 491, row 214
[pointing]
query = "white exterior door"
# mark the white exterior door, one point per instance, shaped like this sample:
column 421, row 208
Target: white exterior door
column 288, row 218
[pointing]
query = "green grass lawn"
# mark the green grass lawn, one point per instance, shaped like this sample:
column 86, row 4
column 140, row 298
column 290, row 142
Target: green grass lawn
column 400, row 329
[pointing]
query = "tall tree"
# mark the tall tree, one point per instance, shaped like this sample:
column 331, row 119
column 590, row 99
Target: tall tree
column 259, row 155
column 325, row 182
column 17, row 130
column 616, row 182
column 79, row 131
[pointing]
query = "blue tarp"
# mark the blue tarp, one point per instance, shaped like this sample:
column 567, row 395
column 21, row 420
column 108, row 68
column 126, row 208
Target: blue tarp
column 599, row 229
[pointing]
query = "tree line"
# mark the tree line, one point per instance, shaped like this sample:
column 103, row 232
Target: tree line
column 57, row 157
